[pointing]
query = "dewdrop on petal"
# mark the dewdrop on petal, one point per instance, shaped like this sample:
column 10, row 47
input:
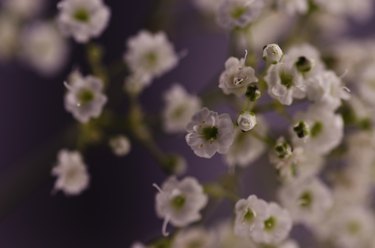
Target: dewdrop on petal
column 120, row 145
column 71, row 173
column 272, row 53
column 180, row 202
column 246, row 121
column 82, row 19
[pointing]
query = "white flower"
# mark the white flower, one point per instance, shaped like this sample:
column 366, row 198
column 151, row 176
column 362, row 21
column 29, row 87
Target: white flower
column 9, row 34
column 272, row 53
column 209, row 132
column 239, row 13
column 366, row 85
column 236, row 77
column 179, row 202
column 275, row 226
column 326, row 130
column 285, row 83
column 83, row 19
column 84, row 98
column 180, row 107
column 120, row 145
column 327, row 89
column 246, row 148
column 71, row 173
column 308, row 200
column 226, row 238
column 23, row 8
column 44, row 48
column 135, row 83
column 289, row 244
column 249, row 213
column 194, row 237
column 246, row 121
column 150, row 55
column 292, row 7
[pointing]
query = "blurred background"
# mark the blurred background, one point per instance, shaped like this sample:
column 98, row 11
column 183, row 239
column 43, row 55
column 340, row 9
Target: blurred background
column 118, row 208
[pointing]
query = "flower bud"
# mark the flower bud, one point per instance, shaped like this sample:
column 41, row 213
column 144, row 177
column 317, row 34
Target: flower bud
column 303, row 64
column 272, row 53
column 246, row 121
column 253, row 93
column 120, row 145
column 301, row 129
column 282, row 149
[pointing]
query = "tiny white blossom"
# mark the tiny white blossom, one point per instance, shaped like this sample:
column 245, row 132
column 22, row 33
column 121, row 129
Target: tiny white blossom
column 84, row 98
column 275, row 226
column 83, row 19
column 308, row 200
column 150, row 55
column 71, row 173
column 23, row 9
column 179, row 202
column 180, row 107
column 292, row 7
column 236, row 77
column 249, row 212
column 285, row 83
column 246, row 121
column 272, row 53
column 209, row 132
column 226, row 238
column 44, row 48
column 246, row 148
column 135, row 83
column 239, row 13
column 120, row 145
column 194, row 237
column 326, row 130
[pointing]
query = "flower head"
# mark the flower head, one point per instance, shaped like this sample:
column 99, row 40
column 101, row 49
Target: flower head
column 120, row 145
column 272, row 53
column 209, row 132
column 246, row 121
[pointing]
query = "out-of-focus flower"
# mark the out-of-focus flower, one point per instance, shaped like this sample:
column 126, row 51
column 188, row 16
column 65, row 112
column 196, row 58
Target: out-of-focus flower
column 23, row 9
column 292, row 7
column 246, row 121
column 71, row 173
column 226, row 238
column 209, row 132
column 179, row 202
column 272, row 53
column 82, row 19
column 180, row 107
column 9, row 34
column 239, row 13
column 44, row 48
column 366, row 85
column 236, row 77
column 135, row 83
column 194, row 237
column 84, row 98
column 120, row 145
column 207, row 6
column 150, row 55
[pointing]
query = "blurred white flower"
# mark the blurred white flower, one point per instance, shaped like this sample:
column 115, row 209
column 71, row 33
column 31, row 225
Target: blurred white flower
column 150, row 55
column 272, row 53
column 71, row 173
column 44, row 48
column 308, row 200
column 246, row 148
column 289, row 244
column 239, row 13
column 9, row 34
column 194, row 237
column 226, row 238
column 366, row 84
column 180, row 107
column 326, row 130
column 246, row 121
column 236, row 77
column 292, row 7
column 82, row 19
column 135, row 83
column 207, row 6
column 179, row 202
column 23, row 9
column 209, row 132
column 120, row 145
column 84, row 98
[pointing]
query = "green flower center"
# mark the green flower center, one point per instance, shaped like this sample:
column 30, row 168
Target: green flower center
column 151, row 58
column 249, row 215
column 303, row 64
column 81, row 15
column 210, row 133
column 85, row 96
column 286, row 79
column 316, row 129
column 270, row 224
column 238, row 12
column 306, row 199
column 178, row 202
column 354, row 227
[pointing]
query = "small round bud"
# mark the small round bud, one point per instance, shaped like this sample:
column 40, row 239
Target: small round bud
column 246, row 121
column 253, row 93
column 303, row 64
column 175, row 165
column 282, row 149
column 301, row 129
column 120, row 145
column 272, row 53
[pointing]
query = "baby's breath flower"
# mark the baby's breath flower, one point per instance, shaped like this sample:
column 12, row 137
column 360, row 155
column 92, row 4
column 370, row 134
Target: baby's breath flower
column 135, row 83
column 180, row 107
column 272, row 53
column 292, row 7
column 209, row 132
column 179, row 202
column 71, row 173
column 301, row 129
column 236, row 77
column 120, row 145
column 246, row 121
column 194, row 237
column 83, row 19
column 150, row 55
column 84, row 98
